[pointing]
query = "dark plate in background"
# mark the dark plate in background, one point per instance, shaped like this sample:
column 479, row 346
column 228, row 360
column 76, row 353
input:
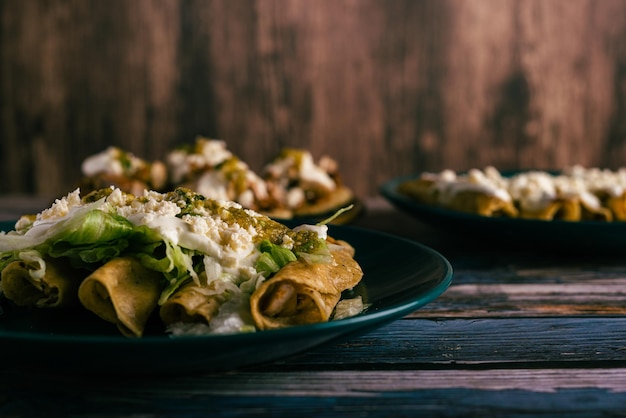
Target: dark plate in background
column 557, row 235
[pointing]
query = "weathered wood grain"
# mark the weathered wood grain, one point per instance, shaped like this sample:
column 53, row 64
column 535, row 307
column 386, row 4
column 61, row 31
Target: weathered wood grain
column 387, row 88
column 509, row 300
column 476, row 343
column 360, row 384
column 515, row 393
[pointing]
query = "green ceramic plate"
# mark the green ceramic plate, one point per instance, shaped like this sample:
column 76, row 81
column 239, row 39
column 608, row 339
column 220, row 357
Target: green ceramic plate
column 400, row 277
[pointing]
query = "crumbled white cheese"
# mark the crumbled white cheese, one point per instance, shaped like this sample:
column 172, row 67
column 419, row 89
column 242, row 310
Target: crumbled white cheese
column 214, row 152
column 287, row 242
column 310, row 173
column 110, row 162
column 448, row 184
column 295, row 197
column 137, row 210
column 209, row 153
column 533, row 190
column 320, row 230
column 246, row 198
column 106, row 161
column 177, row 163
column 61, row 207
column 212, row 183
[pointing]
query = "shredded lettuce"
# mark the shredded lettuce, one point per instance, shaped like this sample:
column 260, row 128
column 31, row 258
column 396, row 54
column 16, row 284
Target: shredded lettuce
column 316, row 258
column 85, row 238
column 177, row 265
column 96, row 237
column 335, row 215
column 90, row 238
column 313, row 250
column 36, row 264
column 273, row 257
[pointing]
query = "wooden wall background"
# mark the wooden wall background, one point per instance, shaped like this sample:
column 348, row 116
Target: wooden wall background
column 386, row 87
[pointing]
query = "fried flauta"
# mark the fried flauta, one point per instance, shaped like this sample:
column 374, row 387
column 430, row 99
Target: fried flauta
column 464, row 197
column 592, row 207
column 423, row 190
column 481, row 203
column 302, row 293
column 570, row 209
column 617, row 205
column 597, row 214
column 191, row 304
column 53, row 286
column 123, row 292
column 567, row 209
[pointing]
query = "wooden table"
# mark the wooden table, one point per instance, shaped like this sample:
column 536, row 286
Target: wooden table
column 518, row 333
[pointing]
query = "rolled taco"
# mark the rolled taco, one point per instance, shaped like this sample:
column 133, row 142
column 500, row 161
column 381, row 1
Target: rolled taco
column 49, row 283
column 482, row 203
column 617, row 205
column 191, row 304
column 302, row 293
column 123, row 292
column 423, row 189
column 596, row 212
column 568, row 209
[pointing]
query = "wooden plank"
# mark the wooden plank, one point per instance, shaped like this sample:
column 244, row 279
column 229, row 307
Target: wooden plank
column 573, row 392
column 594, row 298
column 431, row 403
column 81, row 76
column 471, row 344
column 338, row 383
column 386, row 88
column 476, row 343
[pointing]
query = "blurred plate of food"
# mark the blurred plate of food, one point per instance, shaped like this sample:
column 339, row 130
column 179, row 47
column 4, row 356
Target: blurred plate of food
column 293, row 185
column 574, row 208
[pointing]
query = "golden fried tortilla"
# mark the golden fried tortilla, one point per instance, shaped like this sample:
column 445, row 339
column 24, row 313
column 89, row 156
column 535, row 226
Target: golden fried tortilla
column 481, row 203
column 421, row 189
column 55, row 289
column 191, row 304
column 123, row 292
column 567, row 209
column 302, row 293
column 596, row 213
column 617, row 205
